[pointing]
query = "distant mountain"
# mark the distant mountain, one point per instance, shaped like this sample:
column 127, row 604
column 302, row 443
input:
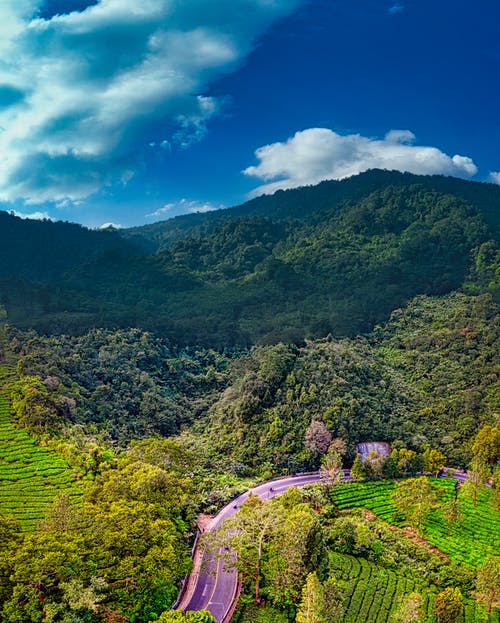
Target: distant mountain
column 334, row 258
column 300, row 203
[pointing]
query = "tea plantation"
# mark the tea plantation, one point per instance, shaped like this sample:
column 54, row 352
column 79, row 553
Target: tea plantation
column 30, row 475
column 469, row 541
column 372, row 593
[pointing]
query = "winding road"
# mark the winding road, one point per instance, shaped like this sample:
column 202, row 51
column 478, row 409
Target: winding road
column 212, row 587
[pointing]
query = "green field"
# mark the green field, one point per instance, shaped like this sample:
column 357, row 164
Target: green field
column 30, row 475
column 373, row 593
column 470, row 540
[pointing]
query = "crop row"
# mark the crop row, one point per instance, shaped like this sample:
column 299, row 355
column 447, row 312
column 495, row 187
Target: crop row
column 30, row 475
column 373, row 593
column 469, row 540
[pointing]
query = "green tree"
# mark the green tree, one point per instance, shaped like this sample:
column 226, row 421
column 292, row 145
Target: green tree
column 331, row 468
column 288, row 560
column 433, row 461
column 407, row 461
column 334, row 599
column 448, row 605
column 415, row 498
column 313, row 607
column 477, row 478
column 358, row 469
column 487, row 591
column 486, row 445
column 452, row 513
column 495, row 490
column 247, row 534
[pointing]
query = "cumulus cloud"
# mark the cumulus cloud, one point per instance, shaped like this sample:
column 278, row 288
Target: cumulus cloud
column 495, row 177
column 36, row 216
column 184, row 205
column 84, row 93
column 317, row 154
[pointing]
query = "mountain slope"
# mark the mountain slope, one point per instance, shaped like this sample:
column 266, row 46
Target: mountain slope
column 336, row 258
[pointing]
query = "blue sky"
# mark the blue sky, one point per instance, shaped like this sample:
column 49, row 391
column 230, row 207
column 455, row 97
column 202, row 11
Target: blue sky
column 126, row 112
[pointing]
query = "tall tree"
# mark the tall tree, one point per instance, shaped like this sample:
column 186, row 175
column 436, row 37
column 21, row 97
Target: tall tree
column 317, row 438
column 246, row 534
column 486, row 445
column 434, row 461
column 415, row 498
column 478, row 476
column 313, row 608
column 331, row 468
column 488, row 584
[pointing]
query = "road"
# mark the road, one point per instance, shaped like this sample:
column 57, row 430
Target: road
column 214, row 588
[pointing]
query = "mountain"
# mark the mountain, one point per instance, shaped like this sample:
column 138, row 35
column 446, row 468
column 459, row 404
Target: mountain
column 336, row 258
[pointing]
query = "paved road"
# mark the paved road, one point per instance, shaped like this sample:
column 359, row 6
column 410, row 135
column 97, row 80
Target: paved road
column 215, row 587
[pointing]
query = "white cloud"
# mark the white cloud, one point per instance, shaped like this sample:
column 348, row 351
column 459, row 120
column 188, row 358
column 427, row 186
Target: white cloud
column 110, row 225
column 184, row 206
column 495, row 177
column 83, row 94
column 319, row 154
column 36, row 216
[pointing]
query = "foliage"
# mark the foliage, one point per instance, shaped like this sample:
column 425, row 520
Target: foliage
column 139, row 511
column 486, row 447
column 488, row 584
column 415, row 498
column 448, row 605
column 409, row 610
column 125, row 384
column 336, row 258
column 313, row 607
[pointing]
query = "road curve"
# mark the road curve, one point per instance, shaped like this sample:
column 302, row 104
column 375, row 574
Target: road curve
column 213, row 587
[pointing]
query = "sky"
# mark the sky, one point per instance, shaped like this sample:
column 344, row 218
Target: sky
column 124, row 112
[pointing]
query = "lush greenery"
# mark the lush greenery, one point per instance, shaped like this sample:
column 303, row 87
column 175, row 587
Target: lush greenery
column 370, row 554
column 124, row 384
column 268, row 338
column 118, row 556
column 428, row 376
column 30, row 475
column 336, row 258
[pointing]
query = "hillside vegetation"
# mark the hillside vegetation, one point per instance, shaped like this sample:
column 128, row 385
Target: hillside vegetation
column 30, row 476
column 336, row 258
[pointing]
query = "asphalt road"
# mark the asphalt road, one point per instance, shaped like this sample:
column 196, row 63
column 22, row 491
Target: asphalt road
column 216, row 586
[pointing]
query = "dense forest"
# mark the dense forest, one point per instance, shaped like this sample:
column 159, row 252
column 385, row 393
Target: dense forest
column 149, row 375
column 336, row 258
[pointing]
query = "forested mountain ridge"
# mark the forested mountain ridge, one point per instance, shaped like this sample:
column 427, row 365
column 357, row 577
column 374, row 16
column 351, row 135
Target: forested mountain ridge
column 335, row 258
column 299, row 203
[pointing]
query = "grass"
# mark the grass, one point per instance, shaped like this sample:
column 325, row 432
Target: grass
column 470, row 540
column 30, row 476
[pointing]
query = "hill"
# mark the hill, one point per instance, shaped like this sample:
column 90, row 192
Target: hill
column 335, row 258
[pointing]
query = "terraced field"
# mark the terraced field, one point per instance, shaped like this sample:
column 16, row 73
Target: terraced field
column 469, row 541
column 30, row 475
column 373, row 593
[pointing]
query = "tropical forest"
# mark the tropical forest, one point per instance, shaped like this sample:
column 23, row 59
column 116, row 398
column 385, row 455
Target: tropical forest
column 283, row 412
